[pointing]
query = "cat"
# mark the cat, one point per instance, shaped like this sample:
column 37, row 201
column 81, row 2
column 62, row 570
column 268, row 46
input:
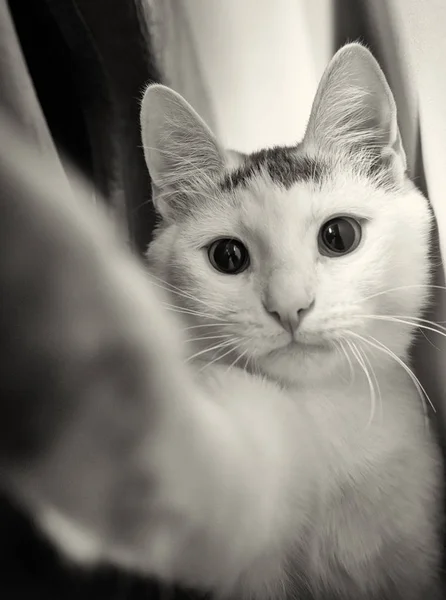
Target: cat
column 240, row 419
column 290, row 263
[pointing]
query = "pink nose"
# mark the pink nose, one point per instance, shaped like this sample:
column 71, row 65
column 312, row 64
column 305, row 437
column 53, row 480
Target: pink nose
column 288, row 313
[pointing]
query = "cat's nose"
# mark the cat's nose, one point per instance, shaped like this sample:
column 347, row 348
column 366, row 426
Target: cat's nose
column 288, row 312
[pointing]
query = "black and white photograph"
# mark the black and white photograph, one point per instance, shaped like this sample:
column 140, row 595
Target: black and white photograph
column 222, row 299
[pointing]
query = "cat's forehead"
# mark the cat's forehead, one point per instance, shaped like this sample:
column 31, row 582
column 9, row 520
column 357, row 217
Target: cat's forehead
column 281, row 193
column 285, row 166
column 278, row 219
column 290, row 179
column 313, row 190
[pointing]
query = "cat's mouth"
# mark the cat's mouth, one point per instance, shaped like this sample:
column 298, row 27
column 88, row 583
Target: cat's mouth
column 299, row 348
column 309, row 341
column 309, row 345
column 304, row 344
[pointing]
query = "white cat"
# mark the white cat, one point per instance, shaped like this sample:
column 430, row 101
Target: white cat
column 308, row 266
column 291, row 456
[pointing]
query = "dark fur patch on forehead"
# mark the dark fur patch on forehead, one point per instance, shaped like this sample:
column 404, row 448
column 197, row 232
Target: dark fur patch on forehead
column 283, row 164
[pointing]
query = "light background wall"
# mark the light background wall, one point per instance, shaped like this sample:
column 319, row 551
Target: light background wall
column 251, row 67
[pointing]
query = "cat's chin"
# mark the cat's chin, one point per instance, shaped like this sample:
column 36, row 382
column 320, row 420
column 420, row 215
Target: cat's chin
column 307, row 347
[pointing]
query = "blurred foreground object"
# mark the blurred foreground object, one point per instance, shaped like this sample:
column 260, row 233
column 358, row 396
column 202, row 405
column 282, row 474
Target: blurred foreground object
column 85, row 351
column 69, row 89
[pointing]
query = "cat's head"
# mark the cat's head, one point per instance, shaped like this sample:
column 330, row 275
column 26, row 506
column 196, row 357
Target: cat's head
column 286, row 255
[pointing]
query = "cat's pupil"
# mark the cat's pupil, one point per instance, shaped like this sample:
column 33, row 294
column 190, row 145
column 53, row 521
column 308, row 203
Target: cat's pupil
column 228, row 256
column 339, row 236
column 334, row 237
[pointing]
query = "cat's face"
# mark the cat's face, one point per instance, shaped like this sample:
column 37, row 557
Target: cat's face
column 284, row 259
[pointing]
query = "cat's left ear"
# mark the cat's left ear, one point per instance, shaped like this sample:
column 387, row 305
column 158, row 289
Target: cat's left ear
column 179, row 147
column 354, row 110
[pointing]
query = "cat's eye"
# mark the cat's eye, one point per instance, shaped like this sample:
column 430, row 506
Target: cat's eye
column 228, row 256
column 339, row 236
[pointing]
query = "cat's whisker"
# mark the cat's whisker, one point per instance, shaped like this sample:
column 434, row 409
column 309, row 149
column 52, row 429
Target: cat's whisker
column 371, row 385
column 347, row 357
column 373, row 372
column 417, row 323
column 234, row 363
column 209, row 337
column 203, row 325
column 401, row 288
column 169, row 287
column 356, row 353
column 416, row 319
column 338, row 348
column 414, row 324
column 233, row 347
column 257, row 370
column 420, row 320
column 369, row 362
column 430, row 342
column 184, row 311
column 374, row 343
column 138, row 207
column 189, row 311
column 251, row 365
column 188, row 296
column 420, row 388
column 220, row 346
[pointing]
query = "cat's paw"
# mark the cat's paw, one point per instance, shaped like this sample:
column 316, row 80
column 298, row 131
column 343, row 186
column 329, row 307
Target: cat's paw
column 89, row 359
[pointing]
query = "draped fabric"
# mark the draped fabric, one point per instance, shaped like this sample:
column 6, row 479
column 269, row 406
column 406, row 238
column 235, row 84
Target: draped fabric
column 88, row 75
column 72, row 73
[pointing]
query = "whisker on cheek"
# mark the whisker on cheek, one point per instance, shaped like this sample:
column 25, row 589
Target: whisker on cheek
column 347, row 357
column 187, row 295
column 234, row 363
column 214, row 348
column 413, row 322
column 209, row 337
column 377, row 345
column 203, row 325
column 360, row 360
column 402, row 288
column 233, row 348
column 190, row 312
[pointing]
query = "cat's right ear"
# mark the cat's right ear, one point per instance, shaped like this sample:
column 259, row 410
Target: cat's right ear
column 355, row 112
column 180, row 150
